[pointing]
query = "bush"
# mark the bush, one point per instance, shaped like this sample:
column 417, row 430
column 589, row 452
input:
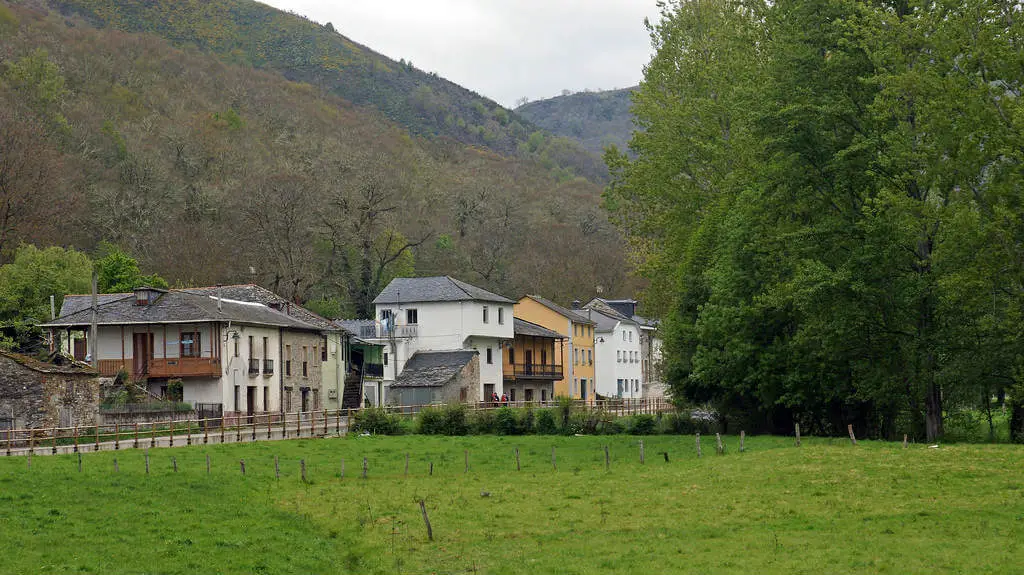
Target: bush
column 611, row 426
column 483, row 423
column 677, row 423
column 525, row 423
column 455, row 420
column 430, row 421
column 564, row 413
column 506, row 422
column 642, row 424
column 545, row 424
column 1017, row 415
column 378, row 421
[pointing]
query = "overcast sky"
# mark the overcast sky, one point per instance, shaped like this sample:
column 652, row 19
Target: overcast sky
column 503, row 49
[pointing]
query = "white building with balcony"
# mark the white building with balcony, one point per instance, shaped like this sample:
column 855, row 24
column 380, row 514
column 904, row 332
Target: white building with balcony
column 442, row 314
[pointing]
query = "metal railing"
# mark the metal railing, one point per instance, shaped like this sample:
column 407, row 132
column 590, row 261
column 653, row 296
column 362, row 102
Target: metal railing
column 537, row 370
column 268, row 367
column 384, row 332
column 254, row 366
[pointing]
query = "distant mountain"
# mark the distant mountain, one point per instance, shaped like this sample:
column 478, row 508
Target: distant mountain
column 596, row 119
column 249, row 33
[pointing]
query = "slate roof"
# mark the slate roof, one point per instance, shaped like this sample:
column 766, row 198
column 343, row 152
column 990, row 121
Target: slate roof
column 523, row 327
column 433, row 368
column 258, row 294
column 78, row 302
column 569, row 313
column 175, row 306
column 440, row 288
column 72, row 367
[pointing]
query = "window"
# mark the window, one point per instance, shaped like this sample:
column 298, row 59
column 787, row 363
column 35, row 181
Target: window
column 190, row 344
column 305, row 361
column 485, row 314
column 490, row 359
column 623, row 335
column 385, row 358
column 620, row 387
column 385, row 315
column 236, row 345
column 618, row 356
column 411, row 316
column 636, row 385
column 287, row 360
column 252, row 347
column 237, row 393
column 590, row 357
column 323, row 349
column 512, row 394
column 575, row 356
column 575, row 329
column 543, row 395
column 501, row 316
column 630, row 337
column 266, row 349
column 512, row 355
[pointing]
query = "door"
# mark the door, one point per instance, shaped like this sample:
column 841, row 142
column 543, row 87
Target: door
column 529, row 362
column 142, row 352
column 583, row 389
column 250, row 401
column 489, row 392
column 305, row 399
column 81, row 349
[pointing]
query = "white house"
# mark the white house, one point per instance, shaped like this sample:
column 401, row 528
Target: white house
column 443, row 314
column 618, row 369
column 224, row 351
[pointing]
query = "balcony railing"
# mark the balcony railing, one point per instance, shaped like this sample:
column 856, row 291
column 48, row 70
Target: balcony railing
column 385, row 332
column 268, row 367
column 373, row 369
column 254, row 366
column 163, row 367
column 537, row 371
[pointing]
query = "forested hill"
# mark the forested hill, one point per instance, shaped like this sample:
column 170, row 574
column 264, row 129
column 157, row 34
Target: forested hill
column 210, row 172
column 250, row 33
column 596, row 119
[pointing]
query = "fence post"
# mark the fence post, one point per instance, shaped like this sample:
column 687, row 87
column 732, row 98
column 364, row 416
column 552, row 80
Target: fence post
column 79, row 462
column 298, row 424
column 337, row 422
column 743, row 436
column 255, row 418
column 222, row 426
column 467, row 462
column 641, row 452
column 208, row 464
column 238, row 429
column 269, row 431
column 517, row 459
column 56, row 430
column 407, row 464
column 152, row 434
column 242, row 463
column 554, row 462
column 719, row 447
column 607, row 459
column 853, row 438
column 302, row 464
column 698, row 445
column 188, row 433
column 97, row 437
column 904, row 441
column 135, row 445
column 205, row 422
column 116, row 468
column 117, row 436
column 174, row 462
column 342, row 461
column 797, row 428
column 365, row 468
column 147, row 461
column 171, row 426
column 9, row 441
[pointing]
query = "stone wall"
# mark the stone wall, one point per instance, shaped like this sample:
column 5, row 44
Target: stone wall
column 295, row 383
column 35, row 395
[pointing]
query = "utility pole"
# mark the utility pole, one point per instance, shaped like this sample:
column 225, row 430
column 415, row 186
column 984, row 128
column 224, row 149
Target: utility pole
column 93, row 329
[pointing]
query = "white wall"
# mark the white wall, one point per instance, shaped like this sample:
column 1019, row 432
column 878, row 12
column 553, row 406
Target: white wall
column 619, row 357
column 449, row 326
column 236, row 369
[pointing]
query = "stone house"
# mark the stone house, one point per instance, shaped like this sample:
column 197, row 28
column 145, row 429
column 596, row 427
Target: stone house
column 36, row 394
column 437, row 377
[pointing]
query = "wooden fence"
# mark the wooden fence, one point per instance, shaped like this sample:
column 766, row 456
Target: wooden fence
column 236, row 428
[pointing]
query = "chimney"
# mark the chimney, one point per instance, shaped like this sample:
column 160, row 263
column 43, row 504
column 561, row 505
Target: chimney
column 576, row 304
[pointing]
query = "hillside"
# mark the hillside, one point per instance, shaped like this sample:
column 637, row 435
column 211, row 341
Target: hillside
column 596, row 119
column 250, row 33
column 212, row 172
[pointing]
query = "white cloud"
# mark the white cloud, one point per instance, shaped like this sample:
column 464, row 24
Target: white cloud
column 501, row 49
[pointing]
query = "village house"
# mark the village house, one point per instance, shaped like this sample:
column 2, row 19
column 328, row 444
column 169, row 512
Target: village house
column 533, row 362
column 577, row 345
column 652, row 381
column 619, row 371
column 243, row 356
column 364, row 382
column 36, row 394
column 442, row 315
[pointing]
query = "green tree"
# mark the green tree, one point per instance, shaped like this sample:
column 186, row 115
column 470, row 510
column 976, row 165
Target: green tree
column 119, row 272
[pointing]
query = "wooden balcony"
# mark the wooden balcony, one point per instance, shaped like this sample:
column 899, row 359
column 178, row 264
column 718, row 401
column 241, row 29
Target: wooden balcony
column 535, row 371
column 165, row 367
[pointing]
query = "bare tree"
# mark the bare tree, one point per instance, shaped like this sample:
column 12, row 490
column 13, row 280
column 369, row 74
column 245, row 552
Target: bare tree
column 29, row 179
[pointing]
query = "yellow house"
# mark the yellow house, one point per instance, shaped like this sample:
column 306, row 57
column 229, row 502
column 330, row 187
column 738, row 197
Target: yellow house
column 577, row 349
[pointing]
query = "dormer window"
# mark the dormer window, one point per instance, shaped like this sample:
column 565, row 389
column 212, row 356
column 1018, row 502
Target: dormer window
column 146, row 295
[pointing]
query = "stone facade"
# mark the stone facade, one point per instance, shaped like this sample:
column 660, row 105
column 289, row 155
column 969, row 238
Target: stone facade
column 459, row 389
column 301, row 378
column 34, row 394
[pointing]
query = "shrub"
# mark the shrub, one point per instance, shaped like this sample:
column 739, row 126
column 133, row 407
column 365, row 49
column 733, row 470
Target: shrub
column 1017, row 415
column 506, row 422
column 378, row 421
column 676, row 423
column 483, row 422
column 525, row 423
column 455, row 420
column 430, row 421
column 545, row 423
column 564, row 412
column 611, row 426
column 642, row 424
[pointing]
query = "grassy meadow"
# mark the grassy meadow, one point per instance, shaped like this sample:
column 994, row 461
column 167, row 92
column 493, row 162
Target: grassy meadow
column 827, row 507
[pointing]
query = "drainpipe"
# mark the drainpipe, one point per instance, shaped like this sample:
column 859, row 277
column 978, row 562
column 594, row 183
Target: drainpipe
column 280, row 369
column 93, row 329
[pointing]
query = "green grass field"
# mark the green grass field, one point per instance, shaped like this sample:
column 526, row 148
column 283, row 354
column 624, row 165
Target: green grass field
column 827, row 507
